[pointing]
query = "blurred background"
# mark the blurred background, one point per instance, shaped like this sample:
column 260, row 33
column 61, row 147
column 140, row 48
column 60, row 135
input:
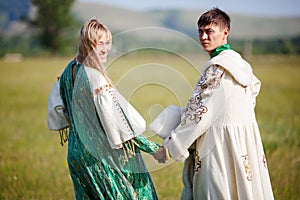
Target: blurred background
column 40, row 27
column 155, row 61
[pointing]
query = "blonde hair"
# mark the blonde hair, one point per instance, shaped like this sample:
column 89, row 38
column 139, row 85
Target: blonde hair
column 90, row 34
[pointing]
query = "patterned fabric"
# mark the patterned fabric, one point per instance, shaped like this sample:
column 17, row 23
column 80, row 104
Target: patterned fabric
column 97, row 170
column 195, row 107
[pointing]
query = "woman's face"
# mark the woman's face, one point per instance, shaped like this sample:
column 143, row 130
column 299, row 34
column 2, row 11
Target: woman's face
column 103, row 47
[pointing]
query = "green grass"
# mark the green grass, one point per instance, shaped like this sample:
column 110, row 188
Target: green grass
column 278, row 114
column 33, row 164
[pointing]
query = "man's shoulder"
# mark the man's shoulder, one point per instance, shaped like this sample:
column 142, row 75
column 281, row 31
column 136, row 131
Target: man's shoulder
column 227, row 54
column 232, row 62
column 226, row 58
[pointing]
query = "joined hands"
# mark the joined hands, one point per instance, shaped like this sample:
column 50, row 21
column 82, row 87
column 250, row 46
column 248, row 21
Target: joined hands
column 161, row 155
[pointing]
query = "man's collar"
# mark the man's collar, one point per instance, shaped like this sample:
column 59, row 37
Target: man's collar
column 219, row 50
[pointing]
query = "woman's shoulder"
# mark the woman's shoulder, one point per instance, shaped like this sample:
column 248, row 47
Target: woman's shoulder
column 95, row 77
column 67, row 70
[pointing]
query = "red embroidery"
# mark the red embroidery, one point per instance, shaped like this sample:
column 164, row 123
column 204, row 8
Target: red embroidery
column 101, row 88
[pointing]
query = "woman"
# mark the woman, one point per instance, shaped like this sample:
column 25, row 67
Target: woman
column 104, row 137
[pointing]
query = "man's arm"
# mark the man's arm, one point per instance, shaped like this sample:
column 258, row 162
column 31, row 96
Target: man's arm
column 202, row 110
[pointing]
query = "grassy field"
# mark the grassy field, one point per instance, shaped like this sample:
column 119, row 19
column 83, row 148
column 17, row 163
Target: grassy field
column 33, row 164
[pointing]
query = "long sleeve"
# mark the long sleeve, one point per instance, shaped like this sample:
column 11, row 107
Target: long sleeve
column 146, row 145
column 119, row 119
column 255, row 88
column 202, row 110
column 111, row 116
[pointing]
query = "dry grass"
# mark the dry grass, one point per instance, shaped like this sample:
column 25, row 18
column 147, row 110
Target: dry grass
column 33, row 164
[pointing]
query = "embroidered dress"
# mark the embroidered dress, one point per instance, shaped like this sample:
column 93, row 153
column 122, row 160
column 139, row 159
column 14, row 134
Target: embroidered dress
column 218, row 137
column 100, row 167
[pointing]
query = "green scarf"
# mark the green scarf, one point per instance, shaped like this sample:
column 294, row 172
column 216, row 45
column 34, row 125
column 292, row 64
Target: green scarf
column 219, row 50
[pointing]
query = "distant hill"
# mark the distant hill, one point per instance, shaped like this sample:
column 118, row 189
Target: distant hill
column 243, row 27
column 172, row 30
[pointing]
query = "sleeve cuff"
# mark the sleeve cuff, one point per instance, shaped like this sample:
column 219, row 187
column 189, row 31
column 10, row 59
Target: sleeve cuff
column 175, row 149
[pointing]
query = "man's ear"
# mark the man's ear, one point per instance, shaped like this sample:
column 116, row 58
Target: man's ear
column 226, row 31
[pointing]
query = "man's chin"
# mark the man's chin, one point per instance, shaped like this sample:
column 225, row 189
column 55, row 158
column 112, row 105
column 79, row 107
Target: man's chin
column 206, row 49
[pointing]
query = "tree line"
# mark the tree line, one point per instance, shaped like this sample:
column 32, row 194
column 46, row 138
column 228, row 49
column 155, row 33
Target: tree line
column 57, row 33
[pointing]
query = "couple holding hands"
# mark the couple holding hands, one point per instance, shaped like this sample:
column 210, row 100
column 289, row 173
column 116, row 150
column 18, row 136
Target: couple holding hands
column 215, row 135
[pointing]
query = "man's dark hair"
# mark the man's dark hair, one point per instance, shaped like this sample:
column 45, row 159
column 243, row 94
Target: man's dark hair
column 214, row 16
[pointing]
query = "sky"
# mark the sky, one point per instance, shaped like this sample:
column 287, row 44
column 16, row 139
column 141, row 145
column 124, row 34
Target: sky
column 271, row 8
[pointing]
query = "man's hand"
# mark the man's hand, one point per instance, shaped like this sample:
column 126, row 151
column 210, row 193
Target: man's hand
column 160, row 155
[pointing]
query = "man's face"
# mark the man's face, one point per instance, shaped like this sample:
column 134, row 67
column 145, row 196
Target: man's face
column 212, row 37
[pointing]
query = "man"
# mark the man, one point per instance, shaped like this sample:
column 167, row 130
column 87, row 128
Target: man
column 218, row 137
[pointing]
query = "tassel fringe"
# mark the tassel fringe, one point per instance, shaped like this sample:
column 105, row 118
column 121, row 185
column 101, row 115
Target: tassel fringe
column 129, row 149
column 63, row 136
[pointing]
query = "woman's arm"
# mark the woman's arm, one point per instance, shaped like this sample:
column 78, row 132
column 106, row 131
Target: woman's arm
column 146, row 145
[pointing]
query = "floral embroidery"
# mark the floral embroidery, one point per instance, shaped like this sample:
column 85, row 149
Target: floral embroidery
column 264, row 160
column 197, row 162
column 247, row 167
column 211, row 78
column 100, row 89
column 195, row 108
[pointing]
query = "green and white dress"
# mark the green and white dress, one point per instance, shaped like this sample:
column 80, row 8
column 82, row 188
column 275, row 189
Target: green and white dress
column 105, row 139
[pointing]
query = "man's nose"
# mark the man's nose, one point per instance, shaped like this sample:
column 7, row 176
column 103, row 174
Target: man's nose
column 202, row 36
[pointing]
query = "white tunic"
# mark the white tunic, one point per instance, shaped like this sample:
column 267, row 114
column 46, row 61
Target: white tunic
column 218, row 137
column 119, row 118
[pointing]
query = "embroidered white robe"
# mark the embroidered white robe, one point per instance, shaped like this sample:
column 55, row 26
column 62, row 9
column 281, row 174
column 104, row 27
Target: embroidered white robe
column 218, row 137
